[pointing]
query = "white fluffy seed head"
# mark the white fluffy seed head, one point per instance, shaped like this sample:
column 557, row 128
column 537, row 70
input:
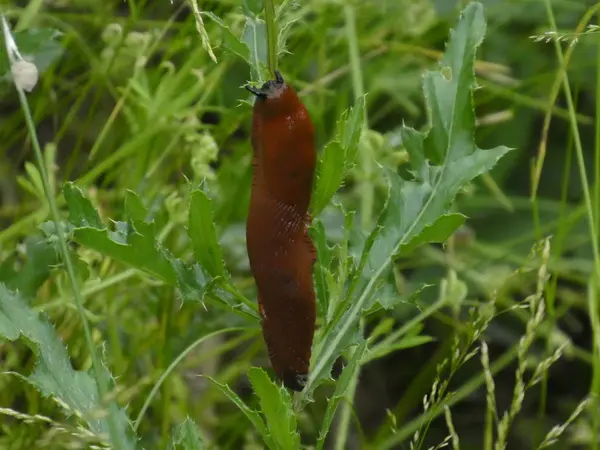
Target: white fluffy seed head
column 25, row 74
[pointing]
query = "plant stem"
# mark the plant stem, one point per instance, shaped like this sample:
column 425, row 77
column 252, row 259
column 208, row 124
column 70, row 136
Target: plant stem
column 595, row 278
column 100, row 378
column 271, row 35
column 366, row 164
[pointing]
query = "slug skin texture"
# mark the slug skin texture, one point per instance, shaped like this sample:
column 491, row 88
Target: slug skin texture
column 280, row 251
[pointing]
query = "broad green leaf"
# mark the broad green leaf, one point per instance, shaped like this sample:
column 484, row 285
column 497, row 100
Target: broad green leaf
column 414, row 206
column 252, row 415
column 202, row 232
column 230, row 42
column 53, row 375
column 38, row 45
column 276, row 406
column 340, row 390
column 186, row 436
column 338, row 156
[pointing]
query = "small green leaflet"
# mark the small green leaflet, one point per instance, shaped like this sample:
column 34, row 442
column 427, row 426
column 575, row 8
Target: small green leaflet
column 203, row 234
column 186, row 436
column 338, row 156
column 276, row 406
column 54, row 376
column 418, row 210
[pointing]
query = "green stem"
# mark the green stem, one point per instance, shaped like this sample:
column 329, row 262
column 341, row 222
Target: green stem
column 358, row 87
column 271, row 35
column 592, row 220
column 100, row 379
column 345, row 413
column 593, row 308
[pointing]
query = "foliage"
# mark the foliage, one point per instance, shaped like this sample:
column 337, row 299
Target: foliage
column 423, row 238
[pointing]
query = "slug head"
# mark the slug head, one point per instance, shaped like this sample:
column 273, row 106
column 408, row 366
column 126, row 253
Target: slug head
column 275, row 97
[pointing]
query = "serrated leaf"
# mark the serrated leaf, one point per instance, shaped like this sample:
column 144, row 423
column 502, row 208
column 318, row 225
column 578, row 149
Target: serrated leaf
column 81, row 211
column 322, row 273
column 330, row 174
column 338, row 156
column 133, row 243
column 340, row 390
column 230, row 42
column 414, row 205
column 186, row 436
column 252, row 415
column 125, row 244
column 202, row 232
column 276, row 406
column 76, row 391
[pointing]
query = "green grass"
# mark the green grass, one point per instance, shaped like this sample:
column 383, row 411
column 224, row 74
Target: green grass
column 128, row 313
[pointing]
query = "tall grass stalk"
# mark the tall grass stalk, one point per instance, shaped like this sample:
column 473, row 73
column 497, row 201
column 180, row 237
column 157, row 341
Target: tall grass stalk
column 366, row 206
column 101, row 380
column 595, row 279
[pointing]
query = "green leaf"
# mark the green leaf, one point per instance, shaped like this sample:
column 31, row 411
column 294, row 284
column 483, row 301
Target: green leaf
column 255, row 39
column 230, row 42
column 133, row 243
column 202, row 232
column 75, row 391
column 186, row 436
column 81, row 212
column 340, row 390
column 322, row 270
column 39, row 45
column 338, row 156
column 41, row 255
column 253, row 7
column 414, row 206
column 252, row 415
column 438, row 232
column 276, row 406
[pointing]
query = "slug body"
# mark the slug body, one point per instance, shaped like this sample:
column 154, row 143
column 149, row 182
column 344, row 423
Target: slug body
column 280, row 251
